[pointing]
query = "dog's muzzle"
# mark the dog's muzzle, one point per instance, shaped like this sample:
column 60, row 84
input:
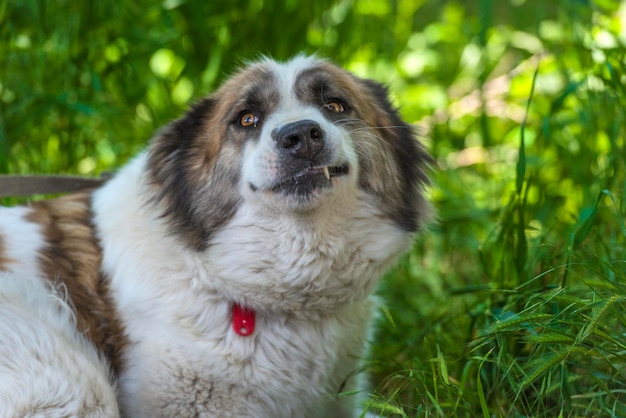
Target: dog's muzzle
column 305, row 158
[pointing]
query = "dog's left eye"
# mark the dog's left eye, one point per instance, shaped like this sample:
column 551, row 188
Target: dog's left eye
column 334, row 106
column 248, row 119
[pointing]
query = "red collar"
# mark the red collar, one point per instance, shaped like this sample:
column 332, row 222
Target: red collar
column 243, row 320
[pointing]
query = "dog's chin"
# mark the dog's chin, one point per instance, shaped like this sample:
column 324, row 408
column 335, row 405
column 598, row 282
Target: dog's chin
column 306, row 189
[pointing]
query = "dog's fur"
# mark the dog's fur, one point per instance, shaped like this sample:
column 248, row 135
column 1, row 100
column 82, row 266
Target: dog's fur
column 289, row 192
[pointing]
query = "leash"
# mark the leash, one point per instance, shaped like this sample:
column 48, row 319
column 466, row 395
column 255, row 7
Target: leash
column 27, row 185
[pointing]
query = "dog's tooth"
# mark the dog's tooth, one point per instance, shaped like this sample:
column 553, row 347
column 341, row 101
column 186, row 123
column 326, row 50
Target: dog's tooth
column 326, row 172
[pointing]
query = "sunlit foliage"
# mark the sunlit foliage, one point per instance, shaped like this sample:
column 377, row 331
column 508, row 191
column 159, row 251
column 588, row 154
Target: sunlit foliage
column 514, row 303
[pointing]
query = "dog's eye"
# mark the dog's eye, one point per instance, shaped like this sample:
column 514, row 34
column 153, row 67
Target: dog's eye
column 334, row 106
column 249, row 119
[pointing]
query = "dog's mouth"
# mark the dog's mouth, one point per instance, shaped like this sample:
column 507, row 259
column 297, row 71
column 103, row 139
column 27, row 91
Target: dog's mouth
column 305, row 181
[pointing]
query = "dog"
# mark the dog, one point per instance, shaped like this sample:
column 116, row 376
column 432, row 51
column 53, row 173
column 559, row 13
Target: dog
column 226, row 271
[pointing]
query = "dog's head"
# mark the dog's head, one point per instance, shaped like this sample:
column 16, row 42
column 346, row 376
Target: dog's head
column 298, row 138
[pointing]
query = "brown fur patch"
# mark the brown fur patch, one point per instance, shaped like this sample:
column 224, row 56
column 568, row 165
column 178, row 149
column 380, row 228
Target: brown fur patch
column 4, row 260
column 72, row 257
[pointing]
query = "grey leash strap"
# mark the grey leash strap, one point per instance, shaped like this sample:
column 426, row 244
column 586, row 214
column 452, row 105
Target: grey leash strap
column 28, row 185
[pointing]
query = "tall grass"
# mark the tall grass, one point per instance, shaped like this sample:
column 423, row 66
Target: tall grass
column 513, row 303
column 528, row 316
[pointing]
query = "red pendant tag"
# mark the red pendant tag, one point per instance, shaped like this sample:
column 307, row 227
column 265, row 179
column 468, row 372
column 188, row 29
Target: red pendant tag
column 243, row 320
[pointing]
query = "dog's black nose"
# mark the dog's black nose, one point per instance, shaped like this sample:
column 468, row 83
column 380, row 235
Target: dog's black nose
column 302, row 139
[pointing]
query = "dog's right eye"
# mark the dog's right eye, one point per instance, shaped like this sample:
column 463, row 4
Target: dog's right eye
column 334, row 106
column 249, row 119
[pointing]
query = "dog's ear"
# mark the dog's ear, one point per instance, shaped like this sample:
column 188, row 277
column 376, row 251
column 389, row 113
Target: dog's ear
column 180, row 134
column 196, row 190
column 402, row 192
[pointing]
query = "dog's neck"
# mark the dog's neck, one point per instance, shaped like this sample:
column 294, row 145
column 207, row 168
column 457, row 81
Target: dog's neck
column 265, row 263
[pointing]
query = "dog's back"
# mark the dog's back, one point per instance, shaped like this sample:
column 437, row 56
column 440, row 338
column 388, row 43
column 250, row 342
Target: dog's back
column 48, row 368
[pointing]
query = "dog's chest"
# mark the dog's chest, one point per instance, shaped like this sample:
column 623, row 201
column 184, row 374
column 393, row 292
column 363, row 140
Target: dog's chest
column 286, row 367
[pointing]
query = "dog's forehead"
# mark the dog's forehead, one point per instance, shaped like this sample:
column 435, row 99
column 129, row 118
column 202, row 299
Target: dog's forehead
column 286, row 82
column 293, row 75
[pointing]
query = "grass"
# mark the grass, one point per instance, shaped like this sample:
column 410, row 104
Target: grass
column 513, row 304
column 552, row 343
column 528, row 316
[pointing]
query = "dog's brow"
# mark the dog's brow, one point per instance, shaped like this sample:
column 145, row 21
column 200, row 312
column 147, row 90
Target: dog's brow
column 258, row 95
column 316, row 85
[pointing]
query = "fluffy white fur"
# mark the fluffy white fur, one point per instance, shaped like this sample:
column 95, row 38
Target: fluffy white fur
column 305, row 269
column 47, row 369
column 176, row 306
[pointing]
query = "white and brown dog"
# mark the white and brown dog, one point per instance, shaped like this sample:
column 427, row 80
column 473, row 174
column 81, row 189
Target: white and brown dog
column 224, row 272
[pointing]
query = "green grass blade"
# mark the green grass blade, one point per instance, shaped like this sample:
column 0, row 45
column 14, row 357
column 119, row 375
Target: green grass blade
column 4, row 148
column 480, row 392
column 544, row 364
column 598, row 314
column 515, row 321
column 521, row 161
column 443, row 366
column 619, row 217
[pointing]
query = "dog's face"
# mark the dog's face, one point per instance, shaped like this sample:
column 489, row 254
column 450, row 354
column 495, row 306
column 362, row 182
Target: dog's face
column 295, row 138
column 301, row 152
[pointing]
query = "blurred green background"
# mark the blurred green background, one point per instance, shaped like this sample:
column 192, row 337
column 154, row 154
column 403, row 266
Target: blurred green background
column 514, row 302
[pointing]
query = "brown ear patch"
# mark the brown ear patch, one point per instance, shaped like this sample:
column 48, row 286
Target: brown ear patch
column 72, row 257
column 195, row 161
column 393, row 162
column 195, row 187
column 402, row 187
